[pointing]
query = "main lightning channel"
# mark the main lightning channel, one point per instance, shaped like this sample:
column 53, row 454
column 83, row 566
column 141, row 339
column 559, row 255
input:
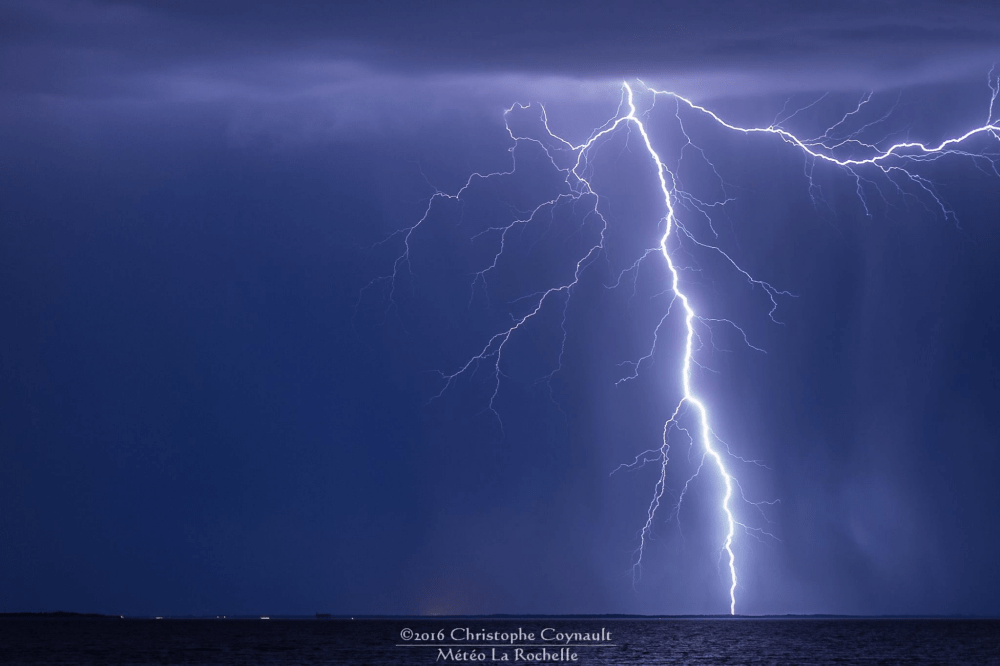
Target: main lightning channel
column 689, row 396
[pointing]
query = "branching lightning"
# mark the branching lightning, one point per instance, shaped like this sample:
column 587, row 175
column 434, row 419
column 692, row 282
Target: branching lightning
column 873, row 166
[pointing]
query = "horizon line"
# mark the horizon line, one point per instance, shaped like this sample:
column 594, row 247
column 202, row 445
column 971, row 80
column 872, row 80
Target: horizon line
column 499, row 616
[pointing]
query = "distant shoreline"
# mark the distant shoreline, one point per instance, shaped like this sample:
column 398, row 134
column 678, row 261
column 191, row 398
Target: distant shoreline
column 498, row 616
column 58, row 614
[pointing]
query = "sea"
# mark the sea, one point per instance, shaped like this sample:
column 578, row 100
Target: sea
column 491, row 640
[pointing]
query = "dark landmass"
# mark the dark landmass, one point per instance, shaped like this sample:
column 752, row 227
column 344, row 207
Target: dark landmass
column 60, row 614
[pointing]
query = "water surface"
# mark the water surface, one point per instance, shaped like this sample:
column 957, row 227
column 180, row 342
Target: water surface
column 593, row 641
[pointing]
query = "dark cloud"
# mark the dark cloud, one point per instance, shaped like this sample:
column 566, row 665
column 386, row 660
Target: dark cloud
column 104, row 48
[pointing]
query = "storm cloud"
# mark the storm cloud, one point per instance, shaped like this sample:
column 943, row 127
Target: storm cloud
column 97, row 48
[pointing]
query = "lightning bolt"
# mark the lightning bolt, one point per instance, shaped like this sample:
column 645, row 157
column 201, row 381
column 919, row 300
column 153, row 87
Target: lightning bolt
column 896, row 164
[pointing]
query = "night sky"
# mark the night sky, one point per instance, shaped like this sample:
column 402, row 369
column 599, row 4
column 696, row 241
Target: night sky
column 211, row 400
